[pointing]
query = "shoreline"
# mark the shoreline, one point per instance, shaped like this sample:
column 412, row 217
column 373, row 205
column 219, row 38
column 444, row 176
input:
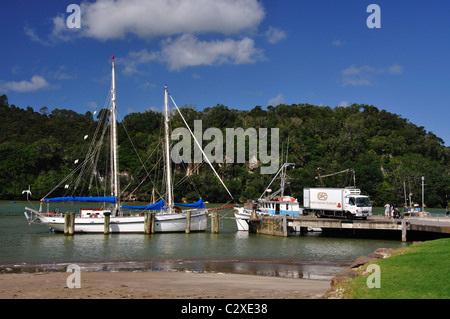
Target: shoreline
column 287, row 268
column 158, row 285
column 170, row 279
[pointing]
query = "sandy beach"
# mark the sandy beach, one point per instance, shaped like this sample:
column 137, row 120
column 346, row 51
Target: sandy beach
column 158, row 285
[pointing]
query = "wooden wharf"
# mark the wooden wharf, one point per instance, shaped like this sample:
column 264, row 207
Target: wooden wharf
column 287, row 225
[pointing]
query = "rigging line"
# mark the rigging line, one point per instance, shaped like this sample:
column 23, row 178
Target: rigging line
column 143, row 180
column 188, row 177
column 135, row 150
column 201, row 149
column 93, row 153
column 67, row 177
column 191, row 180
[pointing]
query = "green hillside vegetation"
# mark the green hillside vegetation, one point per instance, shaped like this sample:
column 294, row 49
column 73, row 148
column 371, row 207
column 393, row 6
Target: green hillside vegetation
column 385, row 150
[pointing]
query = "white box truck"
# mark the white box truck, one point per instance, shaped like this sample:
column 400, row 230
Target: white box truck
column 340, row 202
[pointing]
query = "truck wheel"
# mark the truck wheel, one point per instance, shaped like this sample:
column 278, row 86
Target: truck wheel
column 349, row 215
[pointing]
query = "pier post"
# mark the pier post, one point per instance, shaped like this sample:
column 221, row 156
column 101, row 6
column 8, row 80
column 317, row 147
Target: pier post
column 285, row 228
column 69, row 223
column 188, row 222
column 214, row 222
column 147, row 222
column 403, row 230
column 107, row 222
column 152, row 220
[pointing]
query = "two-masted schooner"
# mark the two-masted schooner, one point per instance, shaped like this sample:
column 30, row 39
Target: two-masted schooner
column 92, row 220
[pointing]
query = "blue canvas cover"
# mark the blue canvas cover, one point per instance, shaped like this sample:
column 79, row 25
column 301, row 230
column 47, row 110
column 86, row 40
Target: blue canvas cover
column 95, row 199
column 161, row 205
column 197, row 204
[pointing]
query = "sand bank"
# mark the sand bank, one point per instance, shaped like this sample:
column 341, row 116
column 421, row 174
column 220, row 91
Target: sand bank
column 158, row 285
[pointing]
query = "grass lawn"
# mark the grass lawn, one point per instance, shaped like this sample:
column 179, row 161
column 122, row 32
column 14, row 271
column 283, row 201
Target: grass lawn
column 421, row 271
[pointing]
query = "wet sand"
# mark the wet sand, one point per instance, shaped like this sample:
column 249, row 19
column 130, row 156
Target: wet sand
column 158, row 285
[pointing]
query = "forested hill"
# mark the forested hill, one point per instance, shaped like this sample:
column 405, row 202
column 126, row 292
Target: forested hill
column 387, row 152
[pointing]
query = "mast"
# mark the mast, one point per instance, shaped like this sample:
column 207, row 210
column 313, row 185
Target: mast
column 114, row 157
column 283, row 168
column 167, row 151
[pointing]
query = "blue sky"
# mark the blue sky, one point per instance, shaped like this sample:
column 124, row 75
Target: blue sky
column 240, row 53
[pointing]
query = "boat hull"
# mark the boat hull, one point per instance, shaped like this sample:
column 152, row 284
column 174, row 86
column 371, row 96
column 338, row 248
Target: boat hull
column 242, row 217
column 164, row 223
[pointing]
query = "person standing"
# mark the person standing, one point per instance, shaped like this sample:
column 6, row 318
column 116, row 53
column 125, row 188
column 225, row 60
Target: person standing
column 387, row 210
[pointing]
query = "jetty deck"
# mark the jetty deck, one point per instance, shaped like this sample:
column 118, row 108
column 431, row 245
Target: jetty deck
column 287, row 225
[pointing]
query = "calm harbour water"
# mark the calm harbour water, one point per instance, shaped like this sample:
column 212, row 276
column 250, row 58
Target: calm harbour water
column 314, row 256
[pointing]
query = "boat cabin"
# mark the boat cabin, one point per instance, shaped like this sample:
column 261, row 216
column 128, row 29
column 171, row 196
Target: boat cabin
column 93, row 212
column 285, row 205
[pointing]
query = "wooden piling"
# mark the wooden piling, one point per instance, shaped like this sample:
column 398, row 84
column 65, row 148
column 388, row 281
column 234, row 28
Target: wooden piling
column 106, row 223
column 147, row 223
column 152, row 220
column 214, row 222
column 69, row 223
column 403, row 230
column 188, row 222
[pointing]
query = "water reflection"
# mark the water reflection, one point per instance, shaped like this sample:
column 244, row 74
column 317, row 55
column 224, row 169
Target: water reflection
column 311, row 256
column 285, row 269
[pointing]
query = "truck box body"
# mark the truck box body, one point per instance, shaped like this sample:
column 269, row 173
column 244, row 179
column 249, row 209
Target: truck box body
column 336, row 202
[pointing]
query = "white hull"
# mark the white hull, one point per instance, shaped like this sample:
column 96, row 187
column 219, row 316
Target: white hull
column 242, row 217
column 164, row 223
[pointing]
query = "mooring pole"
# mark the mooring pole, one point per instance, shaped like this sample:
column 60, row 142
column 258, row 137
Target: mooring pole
column 107, row 222
column 188, row 222
column 214, row 222
column 147, row 222
column 403, row 230
column 152, row 219
column 69, row 223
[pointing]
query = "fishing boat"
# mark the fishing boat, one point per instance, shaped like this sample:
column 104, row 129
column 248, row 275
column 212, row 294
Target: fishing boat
column 275, row 204
column 168, row 216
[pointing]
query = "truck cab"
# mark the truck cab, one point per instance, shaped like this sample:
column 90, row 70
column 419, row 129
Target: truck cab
column 358, row 205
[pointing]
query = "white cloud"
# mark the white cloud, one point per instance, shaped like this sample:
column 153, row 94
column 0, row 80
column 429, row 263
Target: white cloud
column 357, row 76
column 180, row 22
column 364, row 75
column 115, row 19
column 338, row 43
column 37, row 82
column 31, row 33
column 344, row 103
column 134, row 59
column 395, row 69
column 275, row 35
column 279, row 99
column 188, row 50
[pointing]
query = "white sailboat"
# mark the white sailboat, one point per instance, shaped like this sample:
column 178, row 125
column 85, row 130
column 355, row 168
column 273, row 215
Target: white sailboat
column 92, row 220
